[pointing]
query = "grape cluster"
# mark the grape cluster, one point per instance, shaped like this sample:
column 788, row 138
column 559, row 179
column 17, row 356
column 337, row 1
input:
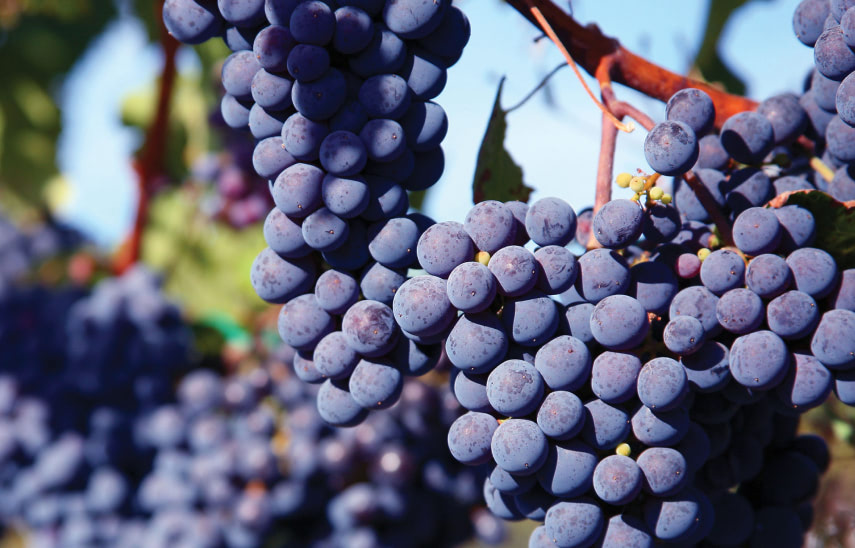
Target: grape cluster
column 338, row 97
column 238, row 196
column 102, row 446
column 646, row 391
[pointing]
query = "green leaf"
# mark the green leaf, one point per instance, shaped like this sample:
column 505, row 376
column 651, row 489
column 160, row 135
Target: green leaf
column 708, row 61
column 497, row 176
column 42, row 40
column 835, row 223
column 206, row 264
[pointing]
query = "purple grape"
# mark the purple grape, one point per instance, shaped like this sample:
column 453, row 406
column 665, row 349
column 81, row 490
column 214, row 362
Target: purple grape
column 671, row 147
column 759, row 360
column 515, row 270
column 471, row 287
column 740, row 311
column 617, row 480
column 614, row 376
column 491, row 226
column 662, row 384
column 519, row 447
column 442, row 247
column 748, row 137
column 561, row 415
column 370, row 328
column 694, row 108
column 477, row 343
column 550, row 221
column 564, row 363
column 619, row 322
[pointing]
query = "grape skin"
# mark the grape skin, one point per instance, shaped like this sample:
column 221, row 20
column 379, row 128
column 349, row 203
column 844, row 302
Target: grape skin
column 662, row 384
column 671, row 147
column 515, row 388
column 519, row 447
column 617, row 480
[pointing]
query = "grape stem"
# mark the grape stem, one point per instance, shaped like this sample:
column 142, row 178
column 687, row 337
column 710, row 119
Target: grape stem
column 588, row 46
column 149, row 161
column 709, row 204
column 608, row 136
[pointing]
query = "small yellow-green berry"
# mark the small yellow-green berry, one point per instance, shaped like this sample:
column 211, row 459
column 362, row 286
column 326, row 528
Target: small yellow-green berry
column 713, row 241
column 665, row 199
column 656, row 193
column 623, row 450
column 623, row 179
column 703, row 253
column 482, row 257
column 636, row 197
column 637, row 184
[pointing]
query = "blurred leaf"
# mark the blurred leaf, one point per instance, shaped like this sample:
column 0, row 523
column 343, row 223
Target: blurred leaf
column 206, row 263
column 708, row 62
column 835, row 223
column 41, row 41
column 497, row 176
column 842, row 429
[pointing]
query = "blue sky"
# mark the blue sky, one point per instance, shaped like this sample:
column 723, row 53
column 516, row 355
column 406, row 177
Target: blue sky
column 556, row 147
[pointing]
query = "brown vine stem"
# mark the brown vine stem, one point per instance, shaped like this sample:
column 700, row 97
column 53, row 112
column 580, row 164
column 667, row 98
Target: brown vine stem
column 588, row 45
column 149, row 162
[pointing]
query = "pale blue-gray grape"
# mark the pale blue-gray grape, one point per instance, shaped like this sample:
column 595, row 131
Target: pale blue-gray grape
column 619, row 322
column 792, row 315
column 370, row 328
column 491, row 226
column 519, row 447
column 671, row 147
column 374, row 384
column 756, row 231
column 662, row 384
column 664, row 471
column 551, row 221
column 759, row 360
column 471, row 287
column 442, row 247
column 740, row 311
column 469, row 437
column 617, row 480
column 574, row 524
column 614, row 376
column 515, row 388
column 683, row 335
column 515, row 270
column 569, row 469
column 561, row 415
column 748, row 137
column 421, row 305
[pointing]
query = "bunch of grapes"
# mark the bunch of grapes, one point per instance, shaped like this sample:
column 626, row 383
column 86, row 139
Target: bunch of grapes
column 238, row 196
column 646, row 391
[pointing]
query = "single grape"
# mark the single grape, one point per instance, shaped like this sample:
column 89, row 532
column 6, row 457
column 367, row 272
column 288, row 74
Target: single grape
column 602, row 272
column 337, row 407
column 606, row 426
column 346, row 197
column 568, row 470
column 692, row 107
column 375, row 385
column 519, row 447
column 442, row 247
column 722, row 271
column 759, row 360
column 336, row 291
column 757, row 231
column 683, row 335
column 561, row 415
column 833, row 342
column 671, row 147
column 277, row 280
column 708, row 369
column 515, row 270
column 662, row 384
column 477, row 342
column 564, row 363
column 619, row 322
column 807, row 385
column 653, row 285
column 577, row 523
column 814, row 271
column 550, row 221
column 617, row 480
column 302, row 322
column 531, row 319
column 748, row 137
column 370, row 328
column 515, row 388
column 614, row 376
column 491, row 226
column 471, row 287
column 469, row 437
column 798, row 227
column 740, row 311
column 333, row 357
column 393, row 242
column 786, row 115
